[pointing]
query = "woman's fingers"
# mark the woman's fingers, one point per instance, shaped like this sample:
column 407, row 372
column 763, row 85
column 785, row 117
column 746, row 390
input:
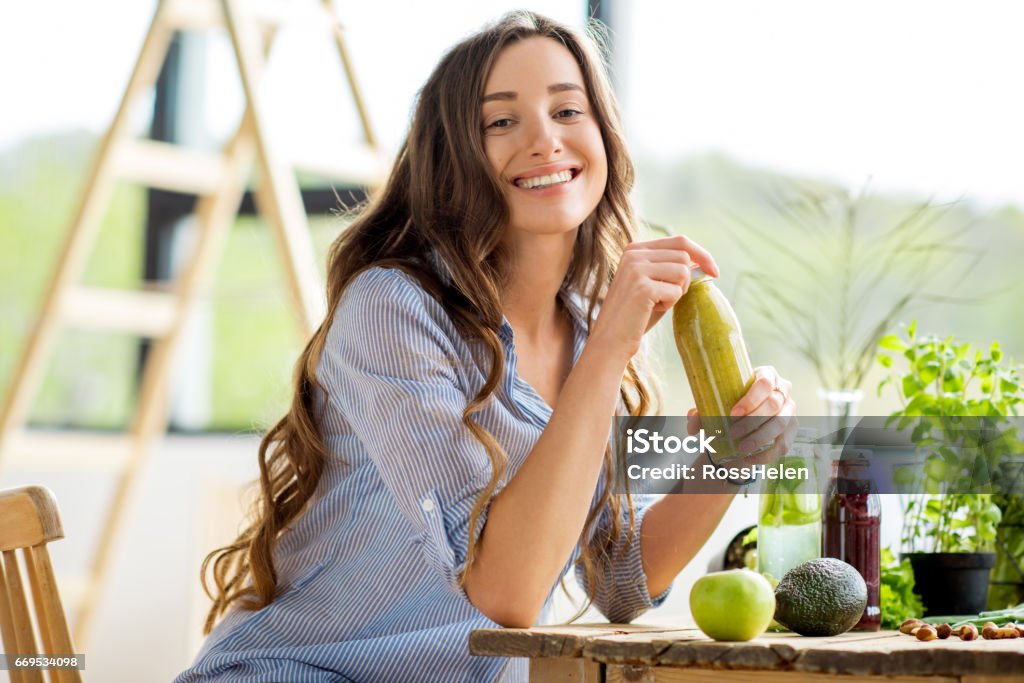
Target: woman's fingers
column 766, row 396
column 661, row 283
column 701, row 256
column 782, row 442
column 664, row 295
column 766, row 431
column 660, row 255
column 675, row 275
column 651, row 277
column 764, row 412
column 666, row 271
column 779, row 431
column 692, row 421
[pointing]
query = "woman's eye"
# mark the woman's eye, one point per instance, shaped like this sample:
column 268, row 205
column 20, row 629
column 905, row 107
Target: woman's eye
column 568, row 113
column 500, row 123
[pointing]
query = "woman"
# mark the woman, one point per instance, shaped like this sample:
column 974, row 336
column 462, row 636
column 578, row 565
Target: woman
column 445, row 459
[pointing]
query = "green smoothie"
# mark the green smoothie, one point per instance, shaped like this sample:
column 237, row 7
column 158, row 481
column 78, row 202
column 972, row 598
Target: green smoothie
column 717, row 364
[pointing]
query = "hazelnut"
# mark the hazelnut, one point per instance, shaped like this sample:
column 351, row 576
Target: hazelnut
column 968, row 632
column 999, row 632
column 909, row 625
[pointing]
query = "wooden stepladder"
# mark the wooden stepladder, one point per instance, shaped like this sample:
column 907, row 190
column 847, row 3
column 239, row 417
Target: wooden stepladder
column 160, row 311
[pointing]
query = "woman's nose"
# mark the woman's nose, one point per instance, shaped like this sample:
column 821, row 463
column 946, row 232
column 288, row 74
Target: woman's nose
column 544, row 139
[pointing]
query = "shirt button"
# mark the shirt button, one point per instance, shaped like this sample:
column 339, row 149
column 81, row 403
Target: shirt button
column 427, row 505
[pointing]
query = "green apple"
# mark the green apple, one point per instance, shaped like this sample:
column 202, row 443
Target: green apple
column 732, row 605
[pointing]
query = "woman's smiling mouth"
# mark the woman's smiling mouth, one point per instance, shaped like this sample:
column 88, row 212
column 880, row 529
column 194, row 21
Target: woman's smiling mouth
column 543, row 182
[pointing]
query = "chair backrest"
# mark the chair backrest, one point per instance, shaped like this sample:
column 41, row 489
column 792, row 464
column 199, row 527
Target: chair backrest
column 29, row 519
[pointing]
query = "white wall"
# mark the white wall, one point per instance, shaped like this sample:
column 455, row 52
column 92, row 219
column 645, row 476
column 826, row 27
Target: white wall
column 146, row 617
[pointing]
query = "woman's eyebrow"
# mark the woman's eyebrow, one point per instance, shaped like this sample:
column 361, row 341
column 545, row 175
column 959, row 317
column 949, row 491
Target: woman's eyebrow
column 511, row 95
column 562, row 87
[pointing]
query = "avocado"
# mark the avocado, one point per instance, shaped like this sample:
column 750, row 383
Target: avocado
column 822, row 597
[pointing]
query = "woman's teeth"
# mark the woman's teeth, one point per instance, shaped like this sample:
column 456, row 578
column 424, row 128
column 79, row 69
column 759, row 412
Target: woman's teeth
column 545, row 180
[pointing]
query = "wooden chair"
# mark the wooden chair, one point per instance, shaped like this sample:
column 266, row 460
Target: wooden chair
column 29, row 519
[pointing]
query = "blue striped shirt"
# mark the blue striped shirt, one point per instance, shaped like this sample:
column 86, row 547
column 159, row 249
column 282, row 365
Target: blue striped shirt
column 368, row 575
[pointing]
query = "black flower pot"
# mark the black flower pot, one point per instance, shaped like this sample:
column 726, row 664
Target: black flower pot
column 951, row 583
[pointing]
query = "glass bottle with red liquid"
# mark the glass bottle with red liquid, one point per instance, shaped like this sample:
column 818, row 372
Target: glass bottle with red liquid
column 852, row 527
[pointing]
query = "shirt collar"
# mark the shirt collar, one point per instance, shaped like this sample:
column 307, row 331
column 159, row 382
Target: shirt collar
column 571, row 299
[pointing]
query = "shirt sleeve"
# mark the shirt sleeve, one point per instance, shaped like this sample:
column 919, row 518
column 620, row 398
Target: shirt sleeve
column 621, row 591
column 391, row 371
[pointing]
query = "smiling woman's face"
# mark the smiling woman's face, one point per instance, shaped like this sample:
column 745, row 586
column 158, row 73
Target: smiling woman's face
column 541, row 137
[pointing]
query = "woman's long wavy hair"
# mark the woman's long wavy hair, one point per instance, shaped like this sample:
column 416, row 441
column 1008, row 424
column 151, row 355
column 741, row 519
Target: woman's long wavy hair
column 442, row 196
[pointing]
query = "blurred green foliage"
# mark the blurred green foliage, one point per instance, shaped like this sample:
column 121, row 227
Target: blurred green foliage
column 90, row 380
column 899, row 601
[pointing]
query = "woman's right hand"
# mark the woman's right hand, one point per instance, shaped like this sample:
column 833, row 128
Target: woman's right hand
column 650, row 279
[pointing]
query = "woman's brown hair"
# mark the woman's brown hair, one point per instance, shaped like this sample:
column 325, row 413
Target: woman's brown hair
column 442, row 197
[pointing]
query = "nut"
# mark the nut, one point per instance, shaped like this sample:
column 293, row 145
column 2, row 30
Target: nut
column 992, row 632
column 926, row 632
column 967, row 632
column 909, row 625
column 943, row 631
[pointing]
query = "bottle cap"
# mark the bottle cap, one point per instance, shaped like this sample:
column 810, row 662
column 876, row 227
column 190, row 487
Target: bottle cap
column 853, row 463
column 698, row 275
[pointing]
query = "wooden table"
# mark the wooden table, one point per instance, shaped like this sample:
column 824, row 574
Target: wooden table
column 595, row 653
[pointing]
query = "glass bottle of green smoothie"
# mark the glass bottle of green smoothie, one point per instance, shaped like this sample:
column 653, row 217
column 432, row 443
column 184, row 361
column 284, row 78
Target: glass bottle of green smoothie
column 715, row 356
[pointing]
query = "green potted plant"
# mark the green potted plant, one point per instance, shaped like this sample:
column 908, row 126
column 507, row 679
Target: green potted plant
column 1007, row 584
column 956, row 399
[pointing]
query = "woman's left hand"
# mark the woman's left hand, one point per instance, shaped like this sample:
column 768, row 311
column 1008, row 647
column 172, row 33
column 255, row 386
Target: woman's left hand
column 765, row 412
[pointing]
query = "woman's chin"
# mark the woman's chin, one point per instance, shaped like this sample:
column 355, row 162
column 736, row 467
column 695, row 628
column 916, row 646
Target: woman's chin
column 546, row 226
